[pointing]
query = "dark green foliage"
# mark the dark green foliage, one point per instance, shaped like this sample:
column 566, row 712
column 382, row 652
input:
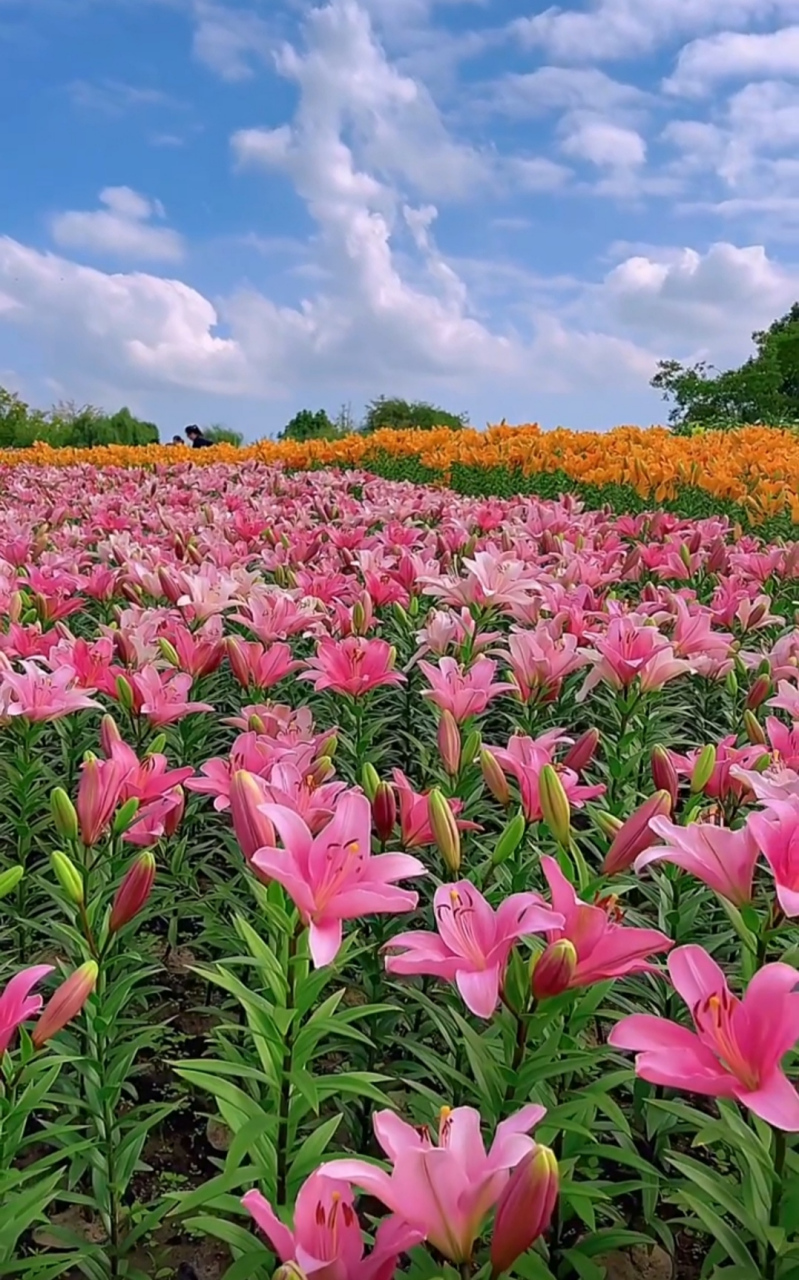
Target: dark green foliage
column 765, row 389
column 307, row 425
column 68, row 427
column 403, row 415
column 220, row 434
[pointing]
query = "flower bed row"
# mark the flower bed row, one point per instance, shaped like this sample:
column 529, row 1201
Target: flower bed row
column 751, row 474
column 392, row 881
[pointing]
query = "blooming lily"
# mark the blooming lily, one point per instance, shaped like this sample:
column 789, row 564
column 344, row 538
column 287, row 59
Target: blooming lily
column 722, row 859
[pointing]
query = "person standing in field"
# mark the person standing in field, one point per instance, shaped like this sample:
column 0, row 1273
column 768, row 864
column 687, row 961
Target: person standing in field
column 196, row 438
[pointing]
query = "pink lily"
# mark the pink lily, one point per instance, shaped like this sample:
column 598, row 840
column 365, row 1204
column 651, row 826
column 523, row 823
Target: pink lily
column 38, row 695
column 448, row 1190
column 776, row 833
column 463, row 693
column 524, row 758
column 254, row 665
column 99, row 793
column 161, row 817
column 326, row 1242
column 353, row 666
column 334, row 876
column 414, row 813
column 631, row 650
column 722, row 859
column 540, row 661
column 16, row 1002
column 164, row 699
column 737, row 1046
column 473, row 942
column 603, row 948
column 724, row 781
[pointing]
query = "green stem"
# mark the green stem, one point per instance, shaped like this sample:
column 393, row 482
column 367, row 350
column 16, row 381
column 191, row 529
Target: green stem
column 284, row 1101
column 780, row 1153
column 109, row 1141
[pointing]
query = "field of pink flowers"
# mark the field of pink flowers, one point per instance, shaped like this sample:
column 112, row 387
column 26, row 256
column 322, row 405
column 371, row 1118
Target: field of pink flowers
column 392, row 882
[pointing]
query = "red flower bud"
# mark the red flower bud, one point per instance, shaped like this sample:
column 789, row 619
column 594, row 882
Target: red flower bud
column 384, row 811
column 582, row 752
column 664, row 775
column 635, row 834
column 65, row 1003
column 525, row 1208
column 449, row 743
column 554, row 969
column 760, row 690
column 133, row 892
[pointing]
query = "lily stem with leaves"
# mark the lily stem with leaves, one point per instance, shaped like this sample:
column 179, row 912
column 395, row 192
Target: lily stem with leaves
column 284, row 1102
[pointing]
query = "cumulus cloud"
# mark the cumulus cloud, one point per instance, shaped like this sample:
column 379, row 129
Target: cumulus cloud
column 553, row 88
column 619, row 29
column 123, row 228
column 231, row 42
column 734, row 55
column 606, row 145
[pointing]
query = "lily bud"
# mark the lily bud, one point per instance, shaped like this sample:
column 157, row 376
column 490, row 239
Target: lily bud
column 494, row 778
column 64, row 813
column 65, row 1003
column 251, row 827
column 635, row 834
column 754, row 729
column 731, row 684
column 358, row 618
column 760, row 690
column 470, row 748
column 525, row 1208
column 582, row 752
column 509, row 841
column 370, row 780
column 109, row 734
column 290, row 1271
column 664, row 775
column 124, row 693
column 168, row 652
column 9, row 879
column 609, row 825
column 445, row 831
column 68, row 876
column 156, row 746
column 123, row 818
column 554, row 969
column 133, row 892
column 384, row 811
column 449, row 743
column 555, row 805
column 704, row 765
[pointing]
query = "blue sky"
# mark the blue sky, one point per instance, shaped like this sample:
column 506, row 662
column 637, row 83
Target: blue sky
column 227, row 212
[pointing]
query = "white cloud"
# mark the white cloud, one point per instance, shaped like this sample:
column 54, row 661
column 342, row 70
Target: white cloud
column 553, row 88
column 684, row 297
column 123, row 228
column 610, row 29
column 228, row 41
column 606, row 145
column 734, row 55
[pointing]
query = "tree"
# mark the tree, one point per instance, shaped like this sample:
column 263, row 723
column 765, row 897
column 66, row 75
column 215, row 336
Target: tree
column 220, row 434
column 764, row 389
column 68, row 426
column 307, row 425
column 405, row 415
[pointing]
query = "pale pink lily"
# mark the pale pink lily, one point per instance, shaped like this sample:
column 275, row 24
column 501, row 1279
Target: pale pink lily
column 631, row 650
column 334, row 876
column 776, row 833
column 774, row 783
column 463, row 692
column 326, row 1242
column 448, row 1190
column 603, row 948
column 738, row 1045
column 16, row 1002
column 722, row 859
column 786, row 699
column 473, row 942
column 160, row 818
column 540, row 661
column 524, row 758
column 784, row 742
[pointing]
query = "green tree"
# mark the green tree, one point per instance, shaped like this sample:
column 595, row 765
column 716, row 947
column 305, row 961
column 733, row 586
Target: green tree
column 415, row 415
column 68, row 426
column 765, row 388
column 220, row 434
column 307, row 425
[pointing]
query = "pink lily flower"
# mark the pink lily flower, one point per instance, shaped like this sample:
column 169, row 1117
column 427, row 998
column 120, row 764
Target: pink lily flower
column 308, row 794
column 631, row 650
column 784, row 743
column 473, row 942
column 199, row 652
column 158, row 819
column 16, row 1002
column 334, row 876
column 448, row 1190
column 38, row 695
column 724, row 781
column 99, row 794
column 786, row 699
column 737, row 1046
column 254, row 665
column 722, row 859
column 463, row 693
column 541, row 661
column 164, row 699
column 776, row 833
column 326, row 1242
column 353, row 666
column 603, row 948
column 524, row 758
column 414, row 814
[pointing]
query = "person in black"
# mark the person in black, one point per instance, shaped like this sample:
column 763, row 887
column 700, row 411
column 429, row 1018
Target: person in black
column 196, row 438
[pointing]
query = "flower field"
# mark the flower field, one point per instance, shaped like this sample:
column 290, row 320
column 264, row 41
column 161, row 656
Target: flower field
column 396, row 880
